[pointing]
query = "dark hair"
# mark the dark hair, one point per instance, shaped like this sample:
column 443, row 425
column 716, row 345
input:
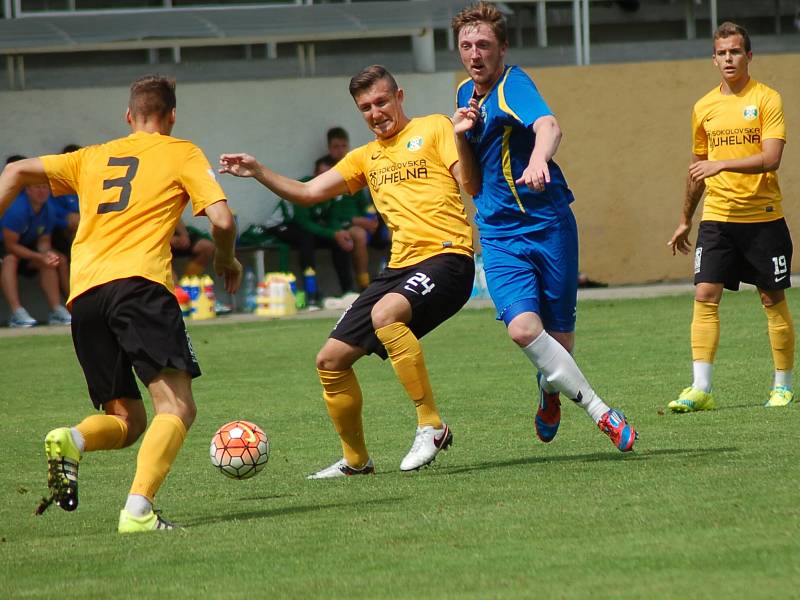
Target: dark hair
column 70, row 148
column 337, row 133
column 152, row 95
column 15, row 158
column 485, row 13
column 323, row 160
column 369, row 77
column 728, row 29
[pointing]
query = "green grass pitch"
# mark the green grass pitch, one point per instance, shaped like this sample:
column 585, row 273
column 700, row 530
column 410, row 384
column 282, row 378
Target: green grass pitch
column 706, row 507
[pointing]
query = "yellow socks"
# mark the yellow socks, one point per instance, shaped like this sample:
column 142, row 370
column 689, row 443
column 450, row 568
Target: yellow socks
column 193, row 268
column 160, row 446
column 781, row 335
column 362, row 280
column 343, row 399
column 409, row 365
column 102, row 432
column 705, row 331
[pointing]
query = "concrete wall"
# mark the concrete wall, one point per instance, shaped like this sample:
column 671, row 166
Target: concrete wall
column 625, row 150
column 282, row 122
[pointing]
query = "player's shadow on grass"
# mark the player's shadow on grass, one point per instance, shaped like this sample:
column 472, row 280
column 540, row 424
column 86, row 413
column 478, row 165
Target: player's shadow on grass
column 594, row 457
column 286, row 510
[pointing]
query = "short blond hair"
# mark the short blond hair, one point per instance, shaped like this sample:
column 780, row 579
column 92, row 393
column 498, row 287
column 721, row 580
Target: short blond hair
column 485, row 13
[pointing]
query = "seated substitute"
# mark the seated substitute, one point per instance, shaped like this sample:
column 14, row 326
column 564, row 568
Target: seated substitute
column 25, row 247
column 193, row 244
column 307, row 228
column 357, row 209
column 430, row 274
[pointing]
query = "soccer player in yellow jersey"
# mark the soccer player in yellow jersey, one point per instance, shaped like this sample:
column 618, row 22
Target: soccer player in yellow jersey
column 125, row 316
column 739, row 134
column 412, row 171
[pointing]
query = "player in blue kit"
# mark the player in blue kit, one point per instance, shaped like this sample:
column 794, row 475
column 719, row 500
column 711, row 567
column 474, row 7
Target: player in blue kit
column 529, row 236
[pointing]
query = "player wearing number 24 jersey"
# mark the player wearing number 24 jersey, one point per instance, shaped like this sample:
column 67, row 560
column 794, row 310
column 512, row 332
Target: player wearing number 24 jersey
column 125, row 317
column 412, row 171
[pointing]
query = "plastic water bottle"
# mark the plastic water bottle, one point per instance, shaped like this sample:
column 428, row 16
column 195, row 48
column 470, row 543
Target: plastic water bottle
column 250, row 292
column 310, row 284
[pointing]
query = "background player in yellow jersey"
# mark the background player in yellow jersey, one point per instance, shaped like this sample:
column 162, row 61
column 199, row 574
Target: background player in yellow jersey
column 739, row 134
column 124, row 314
column 412, row 171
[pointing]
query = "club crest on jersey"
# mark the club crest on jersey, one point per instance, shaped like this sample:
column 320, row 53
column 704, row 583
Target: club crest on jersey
column 750, row 112
column 415, row 143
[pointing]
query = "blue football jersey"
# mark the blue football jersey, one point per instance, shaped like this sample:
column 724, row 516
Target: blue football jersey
column 21, row 219
column 503, row 140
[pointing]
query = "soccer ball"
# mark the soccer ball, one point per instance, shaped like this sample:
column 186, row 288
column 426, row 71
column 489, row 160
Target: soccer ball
column 239, row 449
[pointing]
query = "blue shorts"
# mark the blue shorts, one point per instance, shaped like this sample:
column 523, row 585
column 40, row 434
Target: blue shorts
column 535, row 272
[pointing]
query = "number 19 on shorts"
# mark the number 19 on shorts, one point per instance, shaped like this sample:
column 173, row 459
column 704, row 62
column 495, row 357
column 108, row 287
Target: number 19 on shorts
column 780, row 267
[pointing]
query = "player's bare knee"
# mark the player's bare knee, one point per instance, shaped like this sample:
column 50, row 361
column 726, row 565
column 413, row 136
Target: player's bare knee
column 524, row 331
column 358, row 234
column 382, row 316
column 771, row 297
column 327, row 360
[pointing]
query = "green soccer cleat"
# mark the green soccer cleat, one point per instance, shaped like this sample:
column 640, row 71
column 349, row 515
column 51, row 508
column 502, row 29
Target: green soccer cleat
column 151, row 522
column 780, row 396
column 691, row 400
column 63, row 457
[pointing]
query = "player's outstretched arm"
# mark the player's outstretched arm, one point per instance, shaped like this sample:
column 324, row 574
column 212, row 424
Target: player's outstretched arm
column 17, row 175
column 223, row 230
column 548, row 136
column 323, row 187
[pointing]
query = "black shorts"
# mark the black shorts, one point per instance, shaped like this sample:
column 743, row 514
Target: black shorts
column 25, row 267
column 755, row 253
column 436, row 288
column 129, row 324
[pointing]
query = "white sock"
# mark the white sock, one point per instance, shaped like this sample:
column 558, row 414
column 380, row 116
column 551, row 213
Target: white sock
column 561, row 371
column 783, row 378
column 138, row 506
column 702, row 375
column 77, row 437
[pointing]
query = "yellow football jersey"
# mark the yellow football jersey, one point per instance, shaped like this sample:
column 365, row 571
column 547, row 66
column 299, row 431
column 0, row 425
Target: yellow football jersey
column 412, row 187
column 131, row 192
column 734, row 126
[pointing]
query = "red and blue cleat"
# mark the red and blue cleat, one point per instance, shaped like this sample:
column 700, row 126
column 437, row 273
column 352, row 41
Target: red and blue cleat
column 621, row 433
column 548, row 415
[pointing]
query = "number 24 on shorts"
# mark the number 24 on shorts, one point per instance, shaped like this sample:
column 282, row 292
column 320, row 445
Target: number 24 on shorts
column 417, row 281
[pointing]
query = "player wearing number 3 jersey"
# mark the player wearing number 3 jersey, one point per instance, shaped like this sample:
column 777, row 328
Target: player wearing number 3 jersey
column 125, row 317
column 412, row 171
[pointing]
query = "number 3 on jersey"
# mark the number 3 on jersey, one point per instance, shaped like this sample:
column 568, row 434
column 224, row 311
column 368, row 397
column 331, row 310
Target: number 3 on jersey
column 417, row 281
column 123, row 182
